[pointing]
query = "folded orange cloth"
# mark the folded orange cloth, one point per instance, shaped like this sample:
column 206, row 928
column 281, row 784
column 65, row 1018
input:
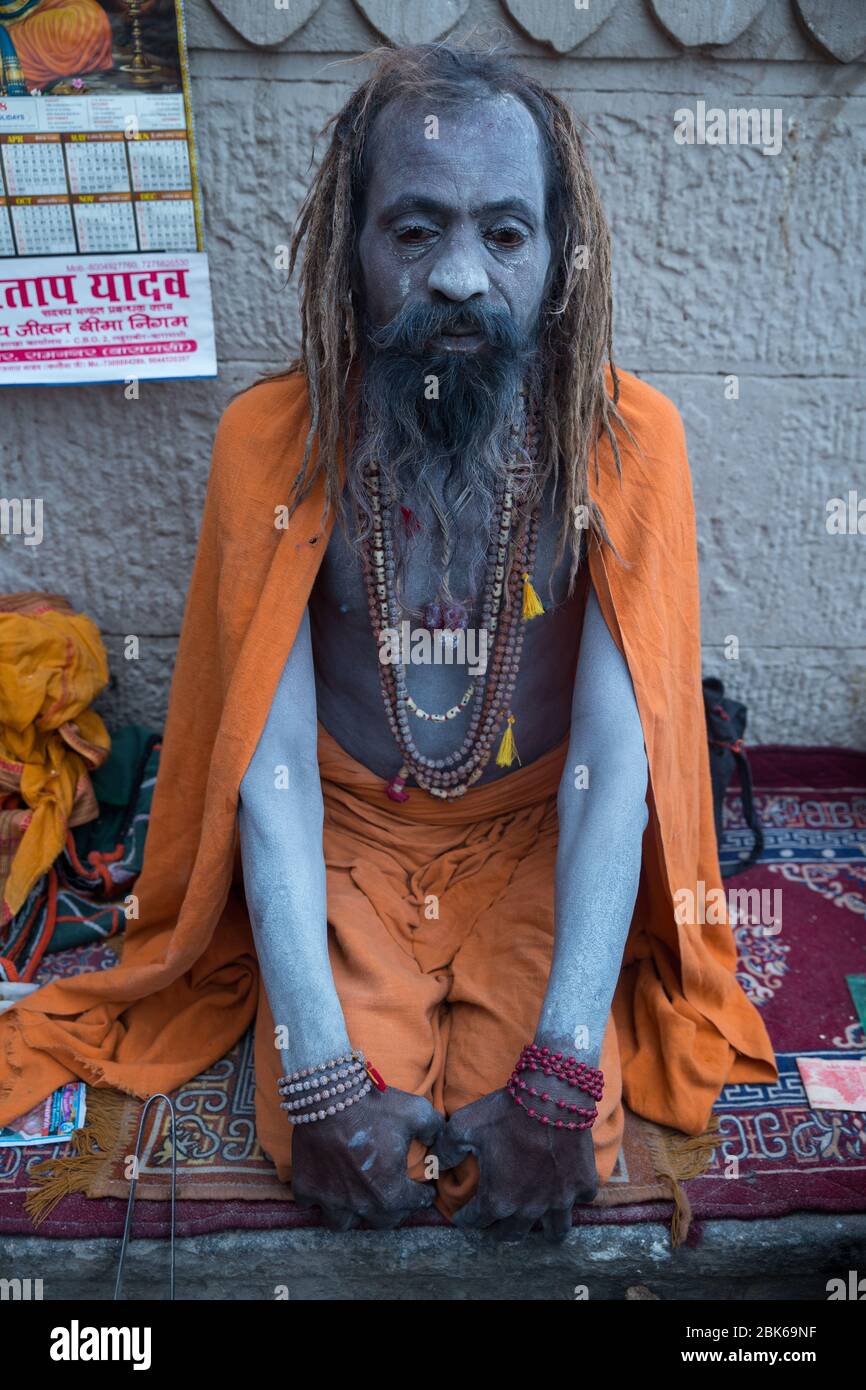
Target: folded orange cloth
column 52, row 666
column 188, row 986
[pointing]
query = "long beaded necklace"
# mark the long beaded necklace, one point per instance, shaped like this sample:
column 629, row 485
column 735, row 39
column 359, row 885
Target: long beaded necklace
column 509, row 599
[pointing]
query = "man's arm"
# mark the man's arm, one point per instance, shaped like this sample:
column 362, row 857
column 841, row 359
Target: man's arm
column 351, row 1164
column 602, row 817
column 530, row 1171
column 280, row 819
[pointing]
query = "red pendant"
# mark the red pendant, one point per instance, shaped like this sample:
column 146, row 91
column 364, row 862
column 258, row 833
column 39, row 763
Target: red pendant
column 395, row 788
column 375, row 1077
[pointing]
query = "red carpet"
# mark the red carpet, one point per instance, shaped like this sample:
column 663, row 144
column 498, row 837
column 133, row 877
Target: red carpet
column 781, row 1155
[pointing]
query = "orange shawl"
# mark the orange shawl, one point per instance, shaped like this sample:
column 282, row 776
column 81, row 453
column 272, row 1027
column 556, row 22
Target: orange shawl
column 187, row 987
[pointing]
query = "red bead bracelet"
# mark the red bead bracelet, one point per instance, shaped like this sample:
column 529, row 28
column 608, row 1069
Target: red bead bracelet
column 535, row 1058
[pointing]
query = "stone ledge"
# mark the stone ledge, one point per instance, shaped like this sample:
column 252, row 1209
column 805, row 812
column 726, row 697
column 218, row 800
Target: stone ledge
column 790, row 1257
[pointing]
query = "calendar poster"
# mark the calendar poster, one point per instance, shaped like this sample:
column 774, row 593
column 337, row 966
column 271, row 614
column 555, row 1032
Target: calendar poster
column 103, row 271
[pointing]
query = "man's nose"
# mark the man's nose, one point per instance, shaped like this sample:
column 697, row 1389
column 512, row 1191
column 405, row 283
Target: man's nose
column 458, row 273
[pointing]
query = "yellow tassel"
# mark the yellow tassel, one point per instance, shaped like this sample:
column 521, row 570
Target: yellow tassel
column 532, row 604
column 507, row 748
column 111, row 1116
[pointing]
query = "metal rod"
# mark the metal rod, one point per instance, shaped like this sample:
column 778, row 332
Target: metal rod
column 127, row 1225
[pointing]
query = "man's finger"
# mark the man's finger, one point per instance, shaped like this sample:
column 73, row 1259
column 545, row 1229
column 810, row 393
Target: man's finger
column 513, row 1227
column 415, row 1196
column 476, row 1215
column 452, row 1147
column 340, row 1219
column 556, row 1223
column 429, row 1125
column 386, row 1220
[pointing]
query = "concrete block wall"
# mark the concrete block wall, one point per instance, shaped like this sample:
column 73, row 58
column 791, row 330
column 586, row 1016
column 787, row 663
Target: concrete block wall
column 729, row 263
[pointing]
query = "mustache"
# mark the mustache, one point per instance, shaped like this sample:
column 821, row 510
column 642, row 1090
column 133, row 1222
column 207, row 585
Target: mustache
column 410, row 332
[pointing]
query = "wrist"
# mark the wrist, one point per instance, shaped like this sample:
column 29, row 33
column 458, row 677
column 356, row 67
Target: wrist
column 583, row 1049
column 311, row 1047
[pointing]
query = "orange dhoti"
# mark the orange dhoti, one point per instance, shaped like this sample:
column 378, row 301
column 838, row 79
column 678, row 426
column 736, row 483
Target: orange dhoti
column 441, row 935
column 61, row 38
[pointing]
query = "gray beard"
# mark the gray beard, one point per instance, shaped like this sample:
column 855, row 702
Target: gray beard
column 426, row 450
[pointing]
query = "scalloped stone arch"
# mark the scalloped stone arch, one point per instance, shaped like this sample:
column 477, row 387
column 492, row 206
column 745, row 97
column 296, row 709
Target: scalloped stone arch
column 412, row 21
column 563, row 26
column 265, row 25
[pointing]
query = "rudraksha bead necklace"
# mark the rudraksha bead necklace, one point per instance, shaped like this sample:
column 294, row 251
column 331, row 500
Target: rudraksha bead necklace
column 508, row 601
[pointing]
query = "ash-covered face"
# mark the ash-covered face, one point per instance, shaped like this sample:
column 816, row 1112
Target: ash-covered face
column 457, row 222
column 453, row 259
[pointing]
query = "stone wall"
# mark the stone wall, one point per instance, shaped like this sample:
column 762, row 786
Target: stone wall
column 730, row 263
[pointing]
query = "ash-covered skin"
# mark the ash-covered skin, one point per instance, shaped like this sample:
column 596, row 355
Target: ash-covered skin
column 353, row 1165
column 461, row 219
column 457, row 217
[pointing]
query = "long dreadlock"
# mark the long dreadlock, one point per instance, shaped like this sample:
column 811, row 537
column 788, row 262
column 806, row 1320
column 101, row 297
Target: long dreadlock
column 575, row 334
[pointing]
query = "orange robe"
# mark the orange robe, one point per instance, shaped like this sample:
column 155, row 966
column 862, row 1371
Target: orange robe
column 188, row 984
column 61, row 38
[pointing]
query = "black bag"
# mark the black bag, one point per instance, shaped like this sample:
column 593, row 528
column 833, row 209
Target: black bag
column 726, row 724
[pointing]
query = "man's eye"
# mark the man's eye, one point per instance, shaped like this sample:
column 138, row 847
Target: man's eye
column 414, row 236
column 507, row 236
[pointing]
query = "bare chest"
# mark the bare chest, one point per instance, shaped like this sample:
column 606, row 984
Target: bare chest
column 347, row 658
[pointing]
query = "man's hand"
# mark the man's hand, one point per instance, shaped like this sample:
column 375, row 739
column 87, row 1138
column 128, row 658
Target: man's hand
column 529, row 1172
column 353, row 1164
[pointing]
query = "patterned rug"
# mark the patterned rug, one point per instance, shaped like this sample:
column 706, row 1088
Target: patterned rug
column 775, row 1155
